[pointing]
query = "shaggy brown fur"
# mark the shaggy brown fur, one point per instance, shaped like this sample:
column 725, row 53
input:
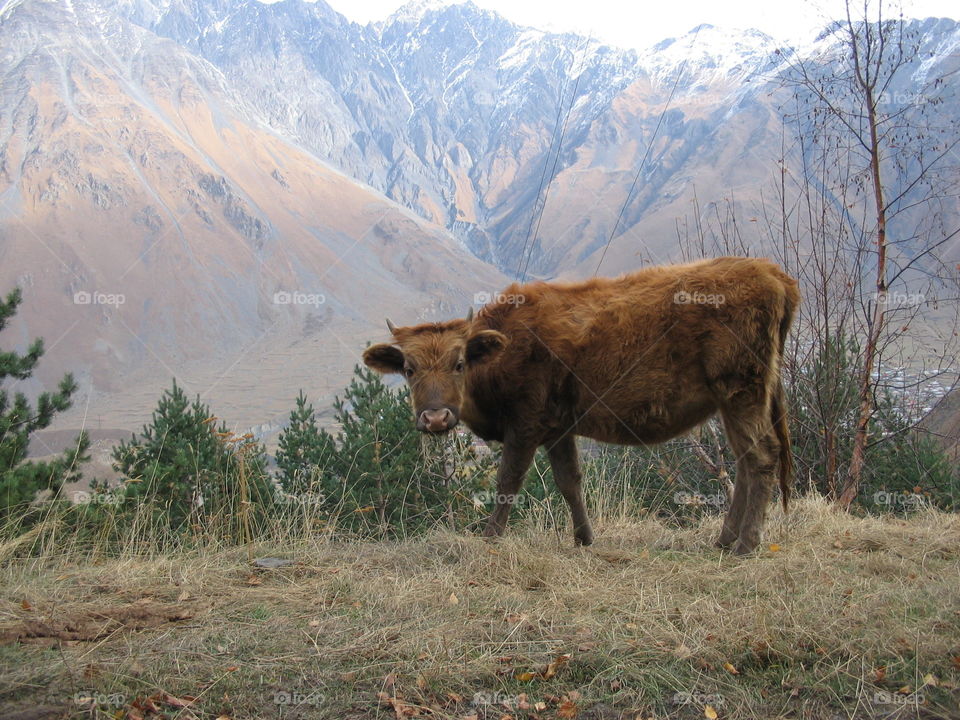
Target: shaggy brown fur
column 637, row 359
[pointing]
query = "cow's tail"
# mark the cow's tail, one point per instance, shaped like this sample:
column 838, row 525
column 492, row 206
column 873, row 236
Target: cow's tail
column 778, row 406
column 779, row 412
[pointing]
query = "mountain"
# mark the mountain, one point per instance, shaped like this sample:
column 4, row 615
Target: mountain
column 158, row 230
column 454, row 111
column 463, row 117
column 261, row 182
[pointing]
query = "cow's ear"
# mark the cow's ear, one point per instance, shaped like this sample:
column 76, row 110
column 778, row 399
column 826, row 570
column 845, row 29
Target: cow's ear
column 485, row 346
column 384, row 358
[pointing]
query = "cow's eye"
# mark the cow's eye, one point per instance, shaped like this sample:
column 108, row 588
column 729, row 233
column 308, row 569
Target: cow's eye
column 408, row 372
column 459, row 367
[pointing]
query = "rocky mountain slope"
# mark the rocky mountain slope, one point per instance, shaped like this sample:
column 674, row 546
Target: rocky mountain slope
column 460, row 115
column 225, row 189
column 159, row 231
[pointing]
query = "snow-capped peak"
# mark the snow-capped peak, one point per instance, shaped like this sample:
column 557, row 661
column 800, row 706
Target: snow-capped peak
column 416, row 9
column 709, row 53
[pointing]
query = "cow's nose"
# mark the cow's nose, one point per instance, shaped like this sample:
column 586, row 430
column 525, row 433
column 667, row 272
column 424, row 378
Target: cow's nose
column 439, row 420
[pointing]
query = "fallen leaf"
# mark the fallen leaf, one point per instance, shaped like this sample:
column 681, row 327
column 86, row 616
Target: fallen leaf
column 709, row 712
column 524, row 676
column 185, row 701
column 557, row 663
column 567, row 710
column 453, row 599
column 26, row 606
column 930, row 679
column 730, row 668
column 774, row 548
column 880, row 674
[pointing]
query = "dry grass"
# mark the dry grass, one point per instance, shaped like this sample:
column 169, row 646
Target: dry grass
column 847, row 618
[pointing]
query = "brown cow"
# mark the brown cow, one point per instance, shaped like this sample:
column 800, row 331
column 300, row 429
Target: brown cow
column 634, row 360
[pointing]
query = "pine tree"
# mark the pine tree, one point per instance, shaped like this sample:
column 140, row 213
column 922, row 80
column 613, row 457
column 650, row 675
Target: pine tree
column 186, row 466
column 306, row 451
column 381, row 465
column 20, row 480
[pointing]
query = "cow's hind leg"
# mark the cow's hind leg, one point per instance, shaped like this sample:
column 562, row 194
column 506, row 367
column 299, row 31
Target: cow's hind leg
column 730, row 532
column 566, row 473
column 752, row 437
column 514, row 463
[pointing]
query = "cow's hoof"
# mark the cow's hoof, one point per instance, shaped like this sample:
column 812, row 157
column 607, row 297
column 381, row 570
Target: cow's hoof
column 744, row 548
column 492, row 531
column 724, row 544
column 583, row 538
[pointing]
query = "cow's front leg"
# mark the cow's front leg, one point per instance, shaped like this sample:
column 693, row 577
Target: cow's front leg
column 514, row 464
column 566, row 473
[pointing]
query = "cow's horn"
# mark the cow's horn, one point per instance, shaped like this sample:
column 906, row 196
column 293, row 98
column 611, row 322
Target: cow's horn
column 470, row 314
column 391, row 328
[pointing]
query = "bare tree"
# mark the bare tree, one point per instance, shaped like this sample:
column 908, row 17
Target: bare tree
column 863, row 217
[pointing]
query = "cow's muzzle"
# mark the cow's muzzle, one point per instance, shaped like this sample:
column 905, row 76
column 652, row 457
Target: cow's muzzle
column 436, row 420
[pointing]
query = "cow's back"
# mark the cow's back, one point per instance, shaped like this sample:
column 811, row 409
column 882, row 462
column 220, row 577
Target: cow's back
column 630, row 359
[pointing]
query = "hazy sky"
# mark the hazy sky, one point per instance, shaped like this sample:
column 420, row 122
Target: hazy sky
column 640, row 24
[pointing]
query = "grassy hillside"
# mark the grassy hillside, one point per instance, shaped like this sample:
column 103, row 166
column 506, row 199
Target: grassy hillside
column 836, row 617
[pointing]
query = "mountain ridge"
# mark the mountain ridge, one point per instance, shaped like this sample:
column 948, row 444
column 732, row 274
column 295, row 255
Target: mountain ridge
column 409, row 163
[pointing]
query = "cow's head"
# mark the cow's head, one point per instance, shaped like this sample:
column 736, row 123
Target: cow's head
column 435, row 359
